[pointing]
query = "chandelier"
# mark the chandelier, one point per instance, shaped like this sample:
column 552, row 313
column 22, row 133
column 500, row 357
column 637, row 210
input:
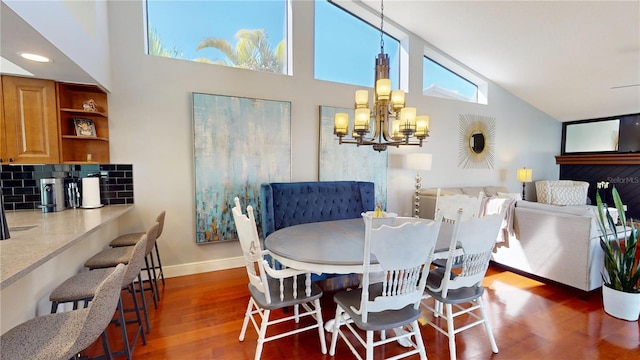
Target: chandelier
column 393, row 123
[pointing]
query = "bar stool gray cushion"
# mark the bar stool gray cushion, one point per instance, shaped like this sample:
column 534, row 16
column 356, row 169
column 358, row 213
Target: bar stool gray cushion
column 126, row 240
column 110, row 257
column 79, row 287
column 62, row 335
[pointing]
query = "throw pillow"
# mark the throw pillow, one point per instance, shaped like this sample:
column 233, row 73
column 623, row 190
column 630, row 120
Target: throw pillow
column 568, row 195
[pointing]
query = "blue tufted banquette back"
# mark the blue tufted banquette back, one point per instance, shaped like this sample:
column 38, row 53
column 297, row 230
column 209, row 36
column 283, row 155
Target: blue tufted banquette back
column 287, row 204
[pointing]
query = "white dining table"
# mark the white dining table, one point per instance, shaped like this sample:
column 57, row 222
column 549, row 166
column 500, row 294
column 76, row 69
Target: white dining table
column 332, row 247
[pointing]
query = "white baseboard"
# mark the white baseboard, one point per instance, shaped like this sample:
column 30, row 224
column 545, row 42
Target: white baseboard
column 203, row 266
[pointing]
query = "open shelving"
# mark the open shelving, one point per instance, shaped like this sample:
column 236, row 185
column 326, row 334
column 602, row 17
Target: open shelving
column 76, row 148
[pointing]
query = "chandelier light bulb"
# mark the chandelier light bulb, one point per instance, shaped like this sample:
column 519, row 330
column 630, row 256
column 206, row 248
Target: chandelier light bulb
column 362, row 98
column 383, row 89
column 341, row 124
column 422, row 125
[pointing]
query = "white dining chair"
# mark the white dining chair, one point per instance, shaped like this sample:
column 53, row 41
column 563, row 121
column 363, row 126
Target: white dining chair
column 403, row 249
column 273, row 289
column 462, row 290
column 449, row 204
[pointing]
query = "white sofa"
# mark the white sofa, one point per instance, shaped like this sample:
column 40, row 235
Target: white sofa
column 559, row 243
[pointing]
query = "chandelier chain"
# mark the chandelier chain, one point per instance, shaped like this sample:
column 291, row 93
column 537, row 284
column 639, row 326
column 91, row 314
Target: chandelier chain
column 381, row 26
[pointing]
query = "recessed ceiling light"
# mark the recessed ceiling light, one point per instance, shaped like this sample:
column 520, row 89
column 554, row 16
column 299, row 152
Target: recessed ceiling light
column 35, row 57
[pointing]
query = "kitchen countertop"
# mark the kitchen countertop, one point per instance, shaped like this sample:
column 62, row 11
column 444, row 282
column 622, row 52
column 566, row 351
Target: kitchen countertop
column 52, row 233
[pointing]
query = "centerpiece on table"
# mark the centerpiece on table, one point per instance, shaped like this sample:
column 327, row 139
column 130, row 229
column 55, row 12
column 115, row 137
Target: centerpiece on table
column 621, row 276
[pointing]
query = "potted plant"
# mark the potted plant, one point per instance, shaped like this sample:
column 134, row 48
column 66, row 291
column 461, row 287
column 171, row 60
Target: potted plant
column 621, row 276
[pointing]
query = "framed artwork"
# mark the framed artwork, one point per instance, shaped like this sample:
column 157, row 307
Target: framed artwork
column 239, row 143
column 84, row 127
column 348, row 161
column 476, row 142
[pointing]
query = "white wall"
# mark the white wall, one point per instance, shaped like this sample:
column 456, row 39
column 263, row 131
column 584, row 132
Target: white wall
column 151, row 127
column 77, row 28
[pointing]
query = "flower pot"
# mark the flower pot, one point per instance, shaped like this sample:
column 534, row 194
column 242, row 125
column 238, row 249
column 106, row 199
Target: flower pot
column 622, row 305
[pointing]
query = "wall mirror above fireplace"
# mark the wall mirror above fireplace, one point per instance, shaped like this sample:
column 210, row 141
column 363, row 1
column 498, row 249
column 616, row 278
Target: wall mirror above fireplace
column 591, row 136
column 620, row 134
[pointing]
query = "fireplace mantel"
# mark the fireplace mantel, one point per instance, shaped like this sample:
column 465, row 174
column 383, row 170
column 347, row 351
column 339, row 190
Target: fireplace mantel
column 599, row 159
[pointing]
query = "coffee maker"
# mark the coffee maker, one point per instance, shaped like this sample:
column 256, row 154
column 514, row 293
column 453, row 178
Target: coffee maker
column 52, row 195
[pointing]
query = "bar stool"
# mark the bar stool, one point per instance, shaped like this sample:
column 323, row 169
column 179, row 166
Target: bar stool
column 131, row 239
column 82, row 287
column 61, row 336
column 110, row 256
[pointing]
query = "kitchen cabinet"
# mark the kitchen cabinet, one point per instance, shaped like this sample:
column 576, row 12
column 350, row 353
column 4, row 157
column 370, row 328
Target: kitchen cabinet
column 84, row 123
column 30, row 121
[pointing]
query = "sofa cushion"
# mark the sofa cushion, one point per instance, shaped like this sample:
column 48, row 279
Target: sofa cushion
column 494, row 190
column 515, row 196
column 579, row 210
column 473, row 191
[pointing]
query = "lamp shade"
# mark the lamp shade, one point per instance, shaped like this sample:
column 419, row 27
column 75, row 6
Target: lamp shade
column 362, row 98
column 341, row 123
column 383, row 89
column 422, row 125
column 524, row 175
column 418, row 161
column 397, row 98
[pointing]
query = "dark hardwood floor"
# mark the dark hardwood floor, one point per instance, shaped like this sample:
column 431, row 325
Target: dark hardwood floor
column 200, row 316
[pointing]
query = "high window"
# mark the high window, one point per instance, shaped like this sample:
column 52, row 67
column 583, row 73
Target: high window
column 445, row 78
column 346, row 47
column 245, row 34
column 439, row 81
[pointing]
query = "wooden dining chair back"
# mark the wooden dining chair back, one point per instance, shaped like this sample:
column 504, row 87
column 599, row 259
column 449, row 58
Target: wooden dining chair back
column 449, row 204
column 273, row 289
column 471, row 246
column 402, row 249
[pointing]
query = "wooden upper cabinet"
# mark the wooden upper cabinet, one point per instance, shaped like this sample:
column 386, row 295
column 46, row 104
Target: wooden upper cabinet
column 30, row 134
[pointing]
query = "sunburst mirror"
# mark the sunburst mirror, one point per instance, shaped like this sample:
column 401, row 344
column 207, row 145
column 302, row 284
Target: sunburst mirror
column 477, row 142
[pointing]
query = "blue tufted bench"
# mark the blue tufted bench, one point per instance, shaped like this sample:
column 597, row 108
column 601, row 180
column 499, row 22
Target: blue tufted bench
column 293, row 203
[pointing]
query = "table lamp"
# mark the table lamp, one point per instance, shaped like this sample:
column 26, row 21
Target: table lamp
column 524, row 176
column 418, row 162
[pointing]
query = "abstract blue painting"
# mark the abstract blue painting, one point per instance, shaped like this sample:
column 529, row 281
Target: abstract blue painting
column 239, row 143
column 350, row 162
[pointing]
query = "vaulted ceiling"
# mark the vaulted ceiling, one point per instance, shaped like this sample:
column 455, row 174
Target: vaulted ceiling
column 571, row 59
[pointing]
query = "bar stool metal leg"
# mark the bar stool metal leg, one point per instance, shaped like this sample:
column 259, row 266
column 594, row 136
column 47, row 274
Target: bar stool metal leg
column 155, row 278
column 159, row 263
column 151, row 286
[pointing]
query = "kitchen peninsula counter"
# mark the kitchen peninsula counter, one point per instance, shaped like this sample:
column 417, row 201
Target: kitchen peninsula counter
column 38, row 237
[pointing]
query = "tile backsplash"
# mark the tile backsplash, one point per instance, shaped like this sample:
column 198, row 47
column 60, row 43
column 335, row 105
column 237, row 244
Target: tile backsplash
column 21, row 183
